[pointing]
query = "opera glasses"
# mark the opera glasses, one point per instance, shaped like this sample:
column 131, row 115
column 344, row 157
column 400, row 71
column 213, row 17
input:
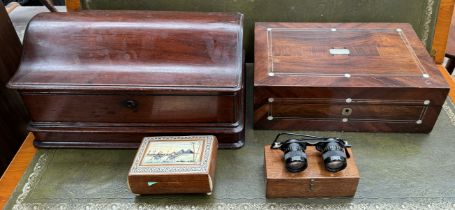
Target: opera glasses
column 334, row 152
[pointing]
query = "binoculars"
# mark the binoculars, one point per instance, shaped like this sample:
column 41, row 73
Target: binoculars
column 334, row 152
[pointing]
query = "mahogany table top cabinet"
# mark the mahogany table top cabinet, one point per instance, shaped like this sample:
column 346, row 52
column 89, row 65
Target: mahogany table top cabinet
column 13, row 116
column 106, row 79
column 174, row 164
column 374, row 77
column 314, row 181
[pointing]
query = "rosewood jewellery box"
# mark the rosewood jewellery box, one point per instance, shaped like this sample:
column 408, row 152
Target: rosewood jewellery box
column 345, row 77
column 174, row 164
column 106, row 79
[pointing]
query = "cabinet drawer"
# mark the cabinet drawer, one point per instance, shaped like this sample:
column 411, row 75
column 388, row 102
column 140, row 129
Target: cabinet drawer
column 132, row 108
column 360, row 110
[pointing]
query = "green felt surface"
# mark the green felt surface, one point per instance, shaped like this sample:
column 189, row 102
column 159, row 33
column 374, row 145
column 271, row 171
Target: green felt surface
column 420, row 13
column 397, row 171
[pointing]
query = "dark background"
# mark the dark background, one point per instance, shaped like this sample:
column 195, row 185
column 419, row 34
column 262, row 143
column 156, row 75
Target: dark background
column 33, row 2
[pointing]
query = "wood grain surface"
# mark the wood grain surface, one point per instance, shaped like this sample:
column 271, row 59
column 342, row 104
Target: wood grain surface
column 314, row 181
column 155, row 50
column 72, row 5
column 176, row 182
column 130, row 74
column 16, row 169
column 450, row 80
column 450, row 47
column 132, row 108
column 385, row 80
column 442, row 30
column 380, row 56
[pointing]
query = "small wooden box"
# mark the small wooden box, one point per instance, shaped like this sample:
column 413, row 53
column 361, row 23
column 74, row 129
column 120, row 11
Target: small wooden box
column 174, row 164
column 314, row 181
column 345, row 77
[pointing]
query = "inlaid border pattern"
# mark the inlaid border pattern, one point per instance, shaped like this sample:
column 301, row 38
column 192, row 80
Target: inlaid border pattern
column 424, row 104
column 270, row 58
column 137, row 169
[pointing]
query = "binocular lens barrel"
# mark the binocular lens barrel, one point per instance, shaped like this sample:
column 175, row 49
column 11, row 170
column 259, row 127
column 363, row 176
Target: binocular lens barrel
column 295, row 158
column 333, row 155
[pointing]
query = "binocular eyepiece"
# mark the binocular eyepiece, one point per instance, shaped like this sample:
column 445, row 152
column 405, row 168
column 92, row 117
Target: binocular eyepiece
column 334, row 153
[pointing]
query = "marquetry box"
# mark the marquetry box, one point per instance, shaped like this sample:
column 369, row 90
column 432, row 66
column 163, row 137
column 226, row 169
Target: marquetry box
column 106, row 79
column 314, row 181
column 345, row 76
column 174, row 164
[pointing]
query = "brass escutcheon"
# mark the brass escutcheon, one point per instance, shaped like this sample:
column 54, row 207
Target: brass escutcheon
column 346, row 111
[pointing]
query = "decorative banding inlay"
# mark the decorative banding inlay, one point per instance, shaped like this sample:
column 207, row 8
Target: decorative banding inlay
column 270, row 54
column 424, row 104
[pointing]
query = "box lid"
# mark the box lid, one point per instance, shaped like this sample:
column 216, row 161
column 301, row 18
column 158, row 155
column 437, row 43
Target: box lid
column 342, row 55
column 164, row 156
column 132, row 50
